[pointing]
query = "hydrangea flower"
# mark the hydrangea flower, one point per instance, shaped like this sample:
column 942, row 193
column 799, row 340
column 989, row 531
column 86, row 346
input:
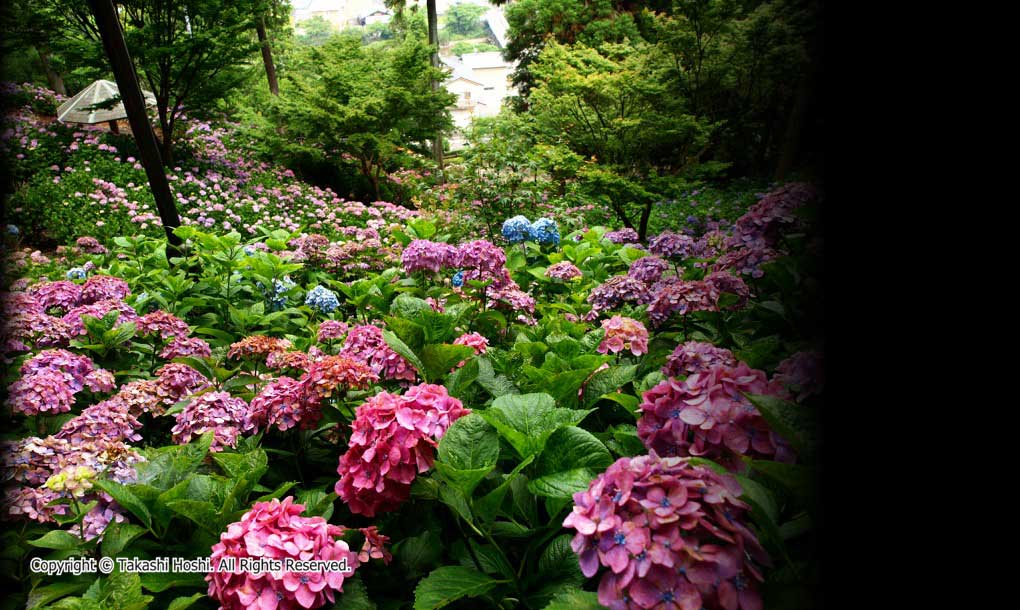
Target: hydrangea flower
column 181, row 347
column 623, row 334
column 458, row 279
column 671, row 535
column 484, row 258
column 277, row 530
column 802, row 374
column 13, row 230
column 91, row 245
column 257, row 345
column 694, row 357
column 617, row 290
column 365, row 342
column 774, row 214
column 648, row 269
column 62, row 295
column 50, row 379
column 747, row 259
column 516, row 229
column 75, row 273
column 425, row 255
column 545, row 231
column 227, row 416
column 104, row 287
column 98, row 310
column 476, row 341
column 332, row 329
column 394, row 438
column 563, row 270
column 623, row 236
column 670, row 244
column 163, row 323
column 722, row 282
column 680, row 297
column 707, row 415
column 322, row 299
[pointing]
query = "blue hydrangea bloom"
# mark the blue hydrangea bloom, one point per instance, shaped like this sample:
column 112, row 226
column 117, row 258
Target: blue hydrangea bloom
column 516, row 229
column 249, row 250
column 545, row 231
column 458, row 279
column 278, row 300
column 322, row 299
column 76, row 273
column 13, row 230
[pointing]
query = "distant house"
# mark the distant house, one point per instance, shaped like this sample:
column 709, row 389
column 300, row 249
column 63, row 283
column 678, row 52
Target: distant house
column 480, row 81
column 377, row 16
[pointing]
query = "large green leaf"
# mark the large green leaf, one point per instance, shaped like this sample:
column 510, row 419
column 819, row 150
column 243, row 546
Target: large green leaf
column 440, row 359
column 497, row 385
column 58, row 540
column 450, row 583
column 458, row 381
column 119, row 535
column 128, row 500
column 470, row 443
column 575, row 599
column 571, row 459
column 607, row 381
column 527, row 420
column 253, row 463
column 401, row 348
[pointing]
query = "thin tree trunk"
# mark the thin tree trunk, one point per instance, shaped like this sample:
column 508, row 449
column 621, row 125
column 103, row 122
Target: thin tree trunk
column 437, row 141
column 52, row 77
column 131, row 95
column 267, row 56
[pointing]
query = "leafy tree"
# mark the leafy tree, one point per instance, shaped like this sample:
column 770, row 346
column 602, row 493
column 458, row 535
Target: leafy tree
column 465, row 20
column 611, row 108
column 315, row 31
column 365, row 104
column 189, row 53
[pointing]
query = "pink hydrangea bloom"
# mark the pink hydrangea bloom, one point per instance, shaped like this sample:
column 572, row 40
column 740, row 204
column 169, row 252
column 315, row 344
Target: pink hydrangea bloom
column 276, row 530
column 332, row 329
column 624, row 334
column 425, row 255
column 227, row 416
column 724, row 282
column 694, row 357
column 622, row 236
column 801, row 375
column 365, row 342
column 476, row 341
column 62, row 295
column 680, row 297
column 98, row 310
column 102, row 288
column 164, row 323
column 648, row 269
column 182, row 347
column 50, row 379
column 772, row 215
column 91, row 245
column 563, row 270
column 671, row 535
column 20, row 331
column 394, row 438
column 707, row 415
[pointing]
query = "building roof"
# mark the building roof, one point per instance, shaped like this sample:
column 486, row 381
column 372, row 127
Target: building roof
column 486, row 59
column 498, row 25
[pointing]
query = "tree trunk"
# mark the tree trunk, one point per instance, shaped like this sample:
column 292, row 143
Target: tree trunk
column 437, row 141
column 54, row 79
column 643, row 225
column 791, row 136
column 267, row 56
column 131, row 95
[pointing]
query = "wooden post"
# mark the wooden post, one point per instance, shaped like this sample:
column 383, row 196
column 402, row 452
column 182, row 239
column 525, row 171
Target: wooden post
column 131, row 95
column 114, row 129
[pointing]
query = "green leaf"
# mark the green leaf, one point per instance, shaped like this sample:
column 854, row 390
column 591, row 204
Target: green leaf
column 119, row 535
column 161, row 581
column 186, row 602
column 571, row 459
column 128, row 500
column 527, row 420
column 317, row 502
column 497, row 385
column 204, row 514
column 440, row 359
column 563, row 484
column 450, row 583
column 401, row 348
column 575, row 599
column 487, row 507
column 355, row 595
column 236, row 465
column 42, row 596
column 125, row 589
column 458, row 381
column 470, row 443
column 419, row 553
column 57, row 539
column 795, row 423
column 604, row 382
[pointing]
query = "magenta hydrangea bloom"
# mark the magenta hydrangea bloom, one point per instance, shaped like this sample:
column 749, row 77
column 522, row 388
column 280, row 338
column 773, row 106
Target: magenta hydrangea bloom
column 332, row 329
column 282, row 404
column 276, row 530
column 102, row 288
column 723, row 282
column 46, row 392
column 563, row 270
column 181, row 347
column 696, row 356
column 394, row 438
column 617, row 290
column 623, row 334
column 15, row 303
column 476, row 341
column 110, row 420
column 62, row 295
column 50, row 379
column 747, row 259
column 482, row 256
column 680, row 297
column 425, row 255
column 98, row 310
column 672, row 536
column 772, row 215
column 801, row 375
column 91, row 245
column 227, row 416
column 669, row 244
column 707, row 415
column 365, row 342
column 648, row 269
column 164, row 323
column 623, row 236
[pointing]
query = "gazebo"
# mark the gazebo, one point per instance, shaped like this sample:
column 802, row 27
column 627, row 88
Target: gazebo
column 93, row 105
